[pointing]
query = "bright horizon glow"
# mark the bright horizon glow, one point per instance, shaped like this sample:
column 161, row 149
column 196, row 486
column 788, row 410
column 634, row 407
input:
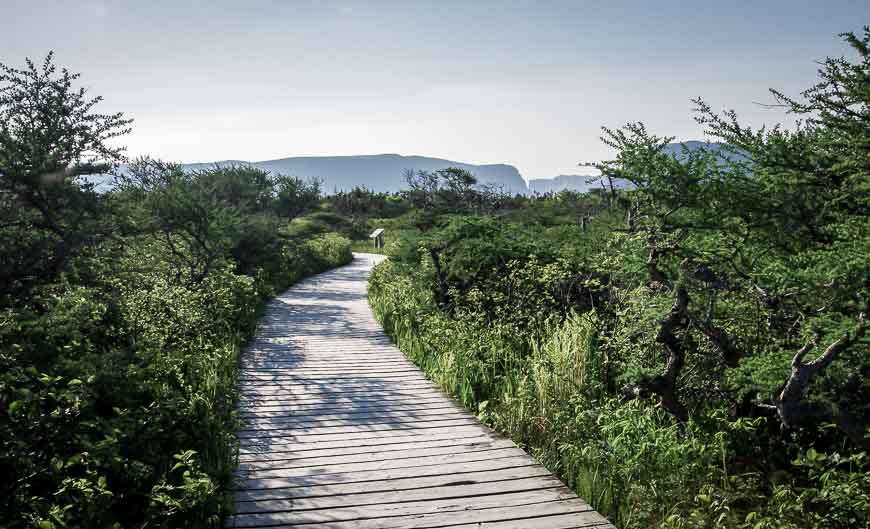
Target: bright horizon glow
column 526, row 84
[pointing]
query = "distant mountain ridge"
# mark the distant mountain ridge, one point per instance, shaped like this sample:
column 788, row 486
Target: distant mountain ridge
column 583, row 183
column 572, row 182
column 384, row 172
column 379, row 172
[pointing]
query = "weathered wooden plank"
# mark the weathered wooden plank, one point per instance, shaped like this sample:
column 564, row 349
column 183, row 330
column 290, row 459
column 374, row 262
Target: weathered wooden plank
column 385, row 415
column 281, row 471
column 417, row 482
column 359, row 436
column 581, row 520
column 277, row 394
column 405, row 396
column 458, row 442
column 303, row 378
column 347, row 397
column 347, row 419
column 342, row 381
column 339, row 416
column 319, row 409
column 389, row 426
column 375, row 436
column 279, row 355
column 438, row 492
column 314, row 367
column 306, row 370
column 402, row 509
column 460, row 515
column 258, row 451
column 484, row 444
column 279, row 364
column 377, row 475
column 341, row 431
column 317, row 389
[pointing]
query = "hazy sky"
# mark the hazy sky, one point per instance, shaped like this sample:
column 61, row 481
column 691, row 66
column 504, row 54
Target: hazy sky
column 526, row 83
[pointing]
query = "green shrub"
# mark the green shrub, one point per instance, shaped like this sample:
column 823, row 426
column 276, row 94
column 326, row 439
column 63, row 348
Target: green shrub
column 550, row 378
column 119, row 402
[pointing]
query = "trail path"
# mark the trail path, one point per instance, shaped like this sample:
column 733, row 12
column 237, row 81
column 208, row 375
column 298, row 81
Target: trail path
column 342, row 432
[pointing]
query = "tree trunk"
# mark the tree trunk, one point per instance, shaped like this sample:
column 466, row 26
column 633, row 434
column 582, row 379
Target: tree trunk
column 788, row 401
column 665, row 384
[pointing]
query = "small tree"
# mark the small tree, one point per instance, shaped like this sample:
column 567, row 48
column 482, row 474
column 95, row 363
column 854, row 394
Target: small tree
column 450, row 190
column 49, row 136
column 776, row 220
column 295, row 196
column 244, row 188
column 189, row 214
column 815, row 185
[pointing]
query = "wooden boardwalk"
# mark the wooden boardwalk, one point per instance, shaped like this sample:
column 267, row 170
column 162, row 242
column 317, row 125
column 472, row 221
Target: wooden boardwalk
column 342, row 432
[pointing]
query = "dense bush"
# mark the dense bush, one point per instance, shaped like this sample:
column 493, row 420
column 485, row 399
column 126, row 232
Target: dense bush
column 122, row 315
column 360, row 202
column 119, row 399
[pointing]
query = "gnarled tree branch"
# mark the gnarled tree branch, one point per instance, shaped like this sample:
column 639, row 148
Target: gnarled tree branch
column 788, row 400
column 441, row 295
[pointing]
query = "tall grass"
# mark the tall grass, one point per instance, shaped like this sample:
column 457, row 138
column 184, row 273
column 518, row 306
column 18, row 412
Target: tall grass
column 545, row 388
column 565, row 363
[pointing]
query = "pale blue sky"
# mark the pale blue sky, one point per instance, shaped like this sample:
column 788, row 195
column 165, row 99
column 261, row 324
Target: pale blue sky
column 527, row 83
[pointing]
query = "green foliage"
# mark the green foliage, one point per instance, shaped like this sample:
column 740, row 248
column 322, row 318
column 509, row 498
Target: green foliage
column 327, row 221
column 295, row 196
column 103, row 387
column 120, row 334
column 687, row 353
column 360, row 202
column 50, row 134
column 819, row 491
column 449, row 190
